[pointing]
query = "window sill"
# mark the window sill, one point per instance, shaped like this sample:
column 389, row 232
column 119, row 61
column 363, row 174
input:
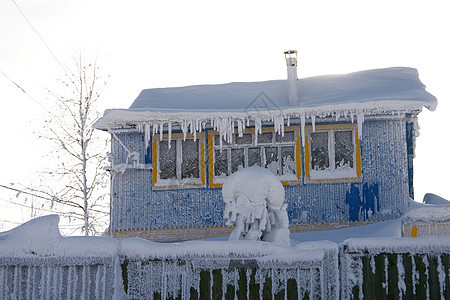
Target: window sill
column 178, row 184
column 332, row 180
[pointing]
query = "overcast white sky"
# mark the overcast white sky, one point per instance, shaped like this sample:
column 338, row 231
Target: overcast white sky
column 147, row 44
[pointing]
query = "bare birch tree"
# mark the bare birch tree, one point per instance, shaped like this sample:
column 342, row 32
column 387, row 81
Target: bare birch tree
column 77, row 188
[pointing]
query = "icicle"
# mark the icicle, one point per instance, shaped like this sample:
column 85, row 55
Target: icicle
column 258, row 128
column 153, row 130
column 338, row 114
column 184, row 127
column 230, row 129
column 414, row 274
column 169, row 132
column 161, row 129
column 352, row 117
column 288, row 120
column 240, row 130
column 313, row 122
column 302, row 128
column 360, row 120
column 147, row 134
column 194, row 129
column 401, row 277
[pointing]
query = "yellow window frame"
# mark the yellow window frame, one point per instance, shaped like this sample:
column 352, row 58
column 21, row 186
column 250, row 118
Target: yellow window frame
column 298, row 164
column 155, row 158
column 332, row 127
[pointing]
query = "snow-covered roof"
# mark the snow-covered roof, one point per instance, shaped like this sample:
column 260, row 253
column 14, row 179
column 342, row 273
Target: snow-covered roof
column 359, row 87
column 366, row 92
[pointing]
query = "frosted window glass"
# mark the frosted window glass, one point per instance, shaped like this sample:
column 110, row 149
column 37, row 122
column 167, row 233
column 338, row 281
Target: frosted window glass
column 287, row 160
column 254, row 157
column 245, row 139
column 319, row 151
column 271, row 161
column 237, row 159
column 343, row 149
column 220, row 163
column 288, row 137
column 217, row 140
column 167, row 160
column 266, row 137
column 190, row 159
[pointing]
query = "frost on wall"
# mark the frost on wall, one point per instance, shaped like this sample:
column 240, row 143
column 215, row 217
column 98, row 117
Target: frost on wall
column 383, row 151
column 254, row 199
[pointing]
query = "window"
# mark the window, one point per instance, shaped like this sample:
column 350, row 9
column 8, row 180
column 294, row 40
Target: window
column 280, row 154
column 179, row 163
column 332, row 153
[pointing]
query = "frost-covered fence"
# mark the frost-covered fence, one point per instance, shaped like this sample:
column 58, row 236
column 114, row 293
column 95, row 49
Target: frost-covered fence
column 398, row 268
column 218, row 270
column 36, row 262
column 56, row 278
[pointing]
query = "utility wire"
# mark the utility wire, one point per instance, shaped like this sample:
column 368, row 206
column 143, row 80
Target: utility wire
column 40, row 37
column 10, row 222
column 45, row 198
column 25, row 92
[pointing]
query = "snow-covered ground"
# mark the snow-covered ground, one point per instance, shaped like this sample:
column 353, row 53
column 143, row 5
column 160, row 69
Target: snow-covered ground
column 41, row 236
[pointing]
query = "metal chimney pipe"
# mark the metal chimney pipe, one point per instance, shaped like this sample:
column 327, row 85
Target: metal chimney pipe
column 291, row 63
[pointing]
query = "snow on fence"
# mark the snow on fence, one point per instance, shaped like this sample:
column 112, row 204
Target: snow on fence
column 395, row 268
column 56, row 278
column 37, row 263
column 222, row 270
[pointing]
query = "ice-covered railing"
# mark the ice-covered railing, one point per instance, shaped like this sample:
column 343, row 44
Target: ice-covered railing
column 36, row 262
column 395, row 268
column 229, row 270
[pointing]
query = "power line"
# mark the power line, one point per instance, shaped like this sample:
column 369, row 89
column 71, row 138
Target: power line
column 48, row 199
column 25, row 92
column 13, row 82
column 41, row 38
column 10, row 222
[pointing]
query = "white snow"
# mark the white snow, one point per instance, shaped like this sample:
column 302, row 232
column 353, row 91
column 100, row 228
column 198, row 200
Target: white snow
column 227, row 106
column 430, row 198
column 247, row 194
column 379, row 85
column 434, row 209
column 41, row 237
column 309, row 261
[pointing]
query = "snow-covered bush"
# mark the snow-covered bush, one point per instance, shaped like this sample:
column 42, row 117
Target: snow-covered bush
column 254, row 199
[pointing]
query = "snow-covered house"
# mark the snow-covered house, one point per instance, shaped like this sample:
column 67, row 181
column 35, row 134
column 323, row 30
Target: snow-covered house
column 342, row 145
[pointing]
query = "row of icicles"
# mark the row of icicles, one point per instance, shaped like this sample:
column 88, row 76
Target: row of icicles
column 227, row 126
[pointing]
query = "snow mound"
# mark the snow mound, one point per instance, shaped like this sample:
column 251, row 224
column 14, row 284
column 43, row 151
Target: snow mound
column 39, row 236
column 430, row 198
column 254, row 201
column 429, row 213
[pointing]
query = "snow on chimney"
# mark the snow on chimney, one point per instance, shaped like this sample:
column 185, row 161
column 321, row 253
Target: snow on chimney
column 291, row 63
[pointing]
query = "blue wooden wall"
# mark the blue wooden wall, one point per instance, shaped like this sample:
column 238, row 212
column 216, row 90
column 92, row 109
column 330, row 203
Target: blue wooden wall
column 382, row 193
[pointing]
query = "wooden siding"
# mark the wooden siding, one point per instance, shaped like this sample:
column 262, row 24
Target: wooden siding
column 382, row 193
